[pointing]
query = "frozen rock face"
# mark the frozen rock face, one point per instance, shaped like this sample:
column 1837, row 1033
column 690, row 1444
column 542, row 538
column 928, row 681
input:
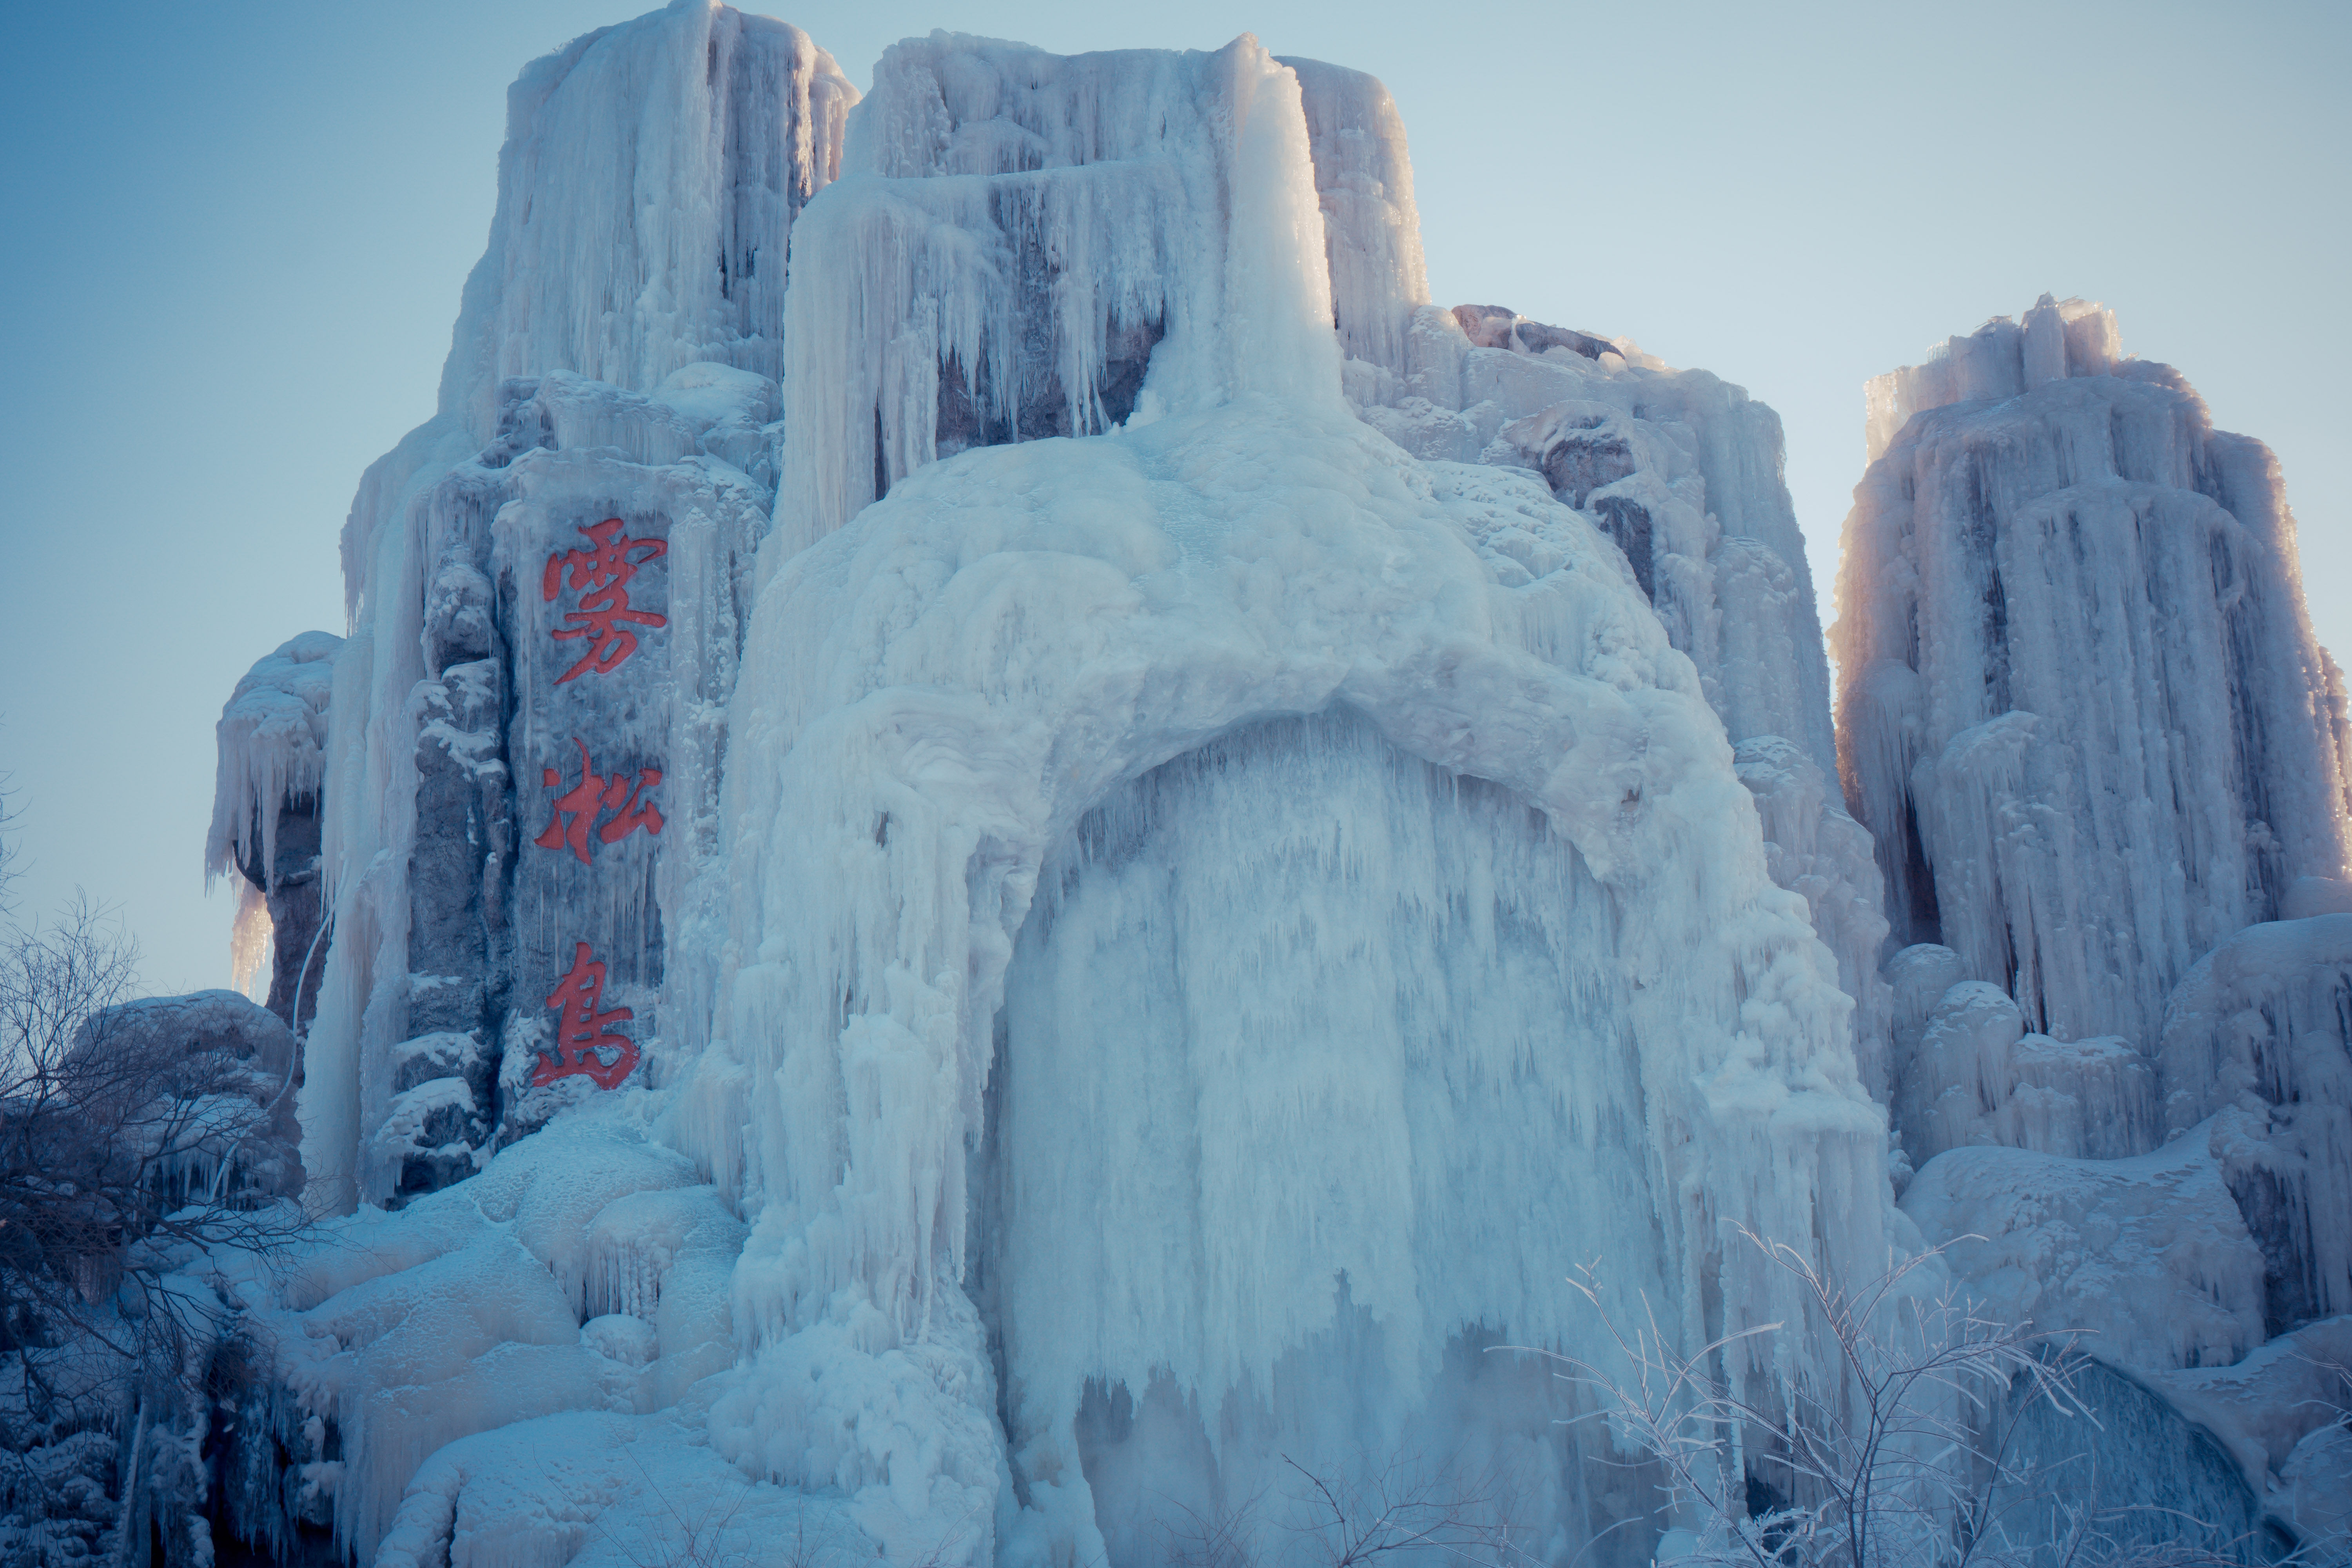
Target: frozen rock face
column 2142, row 1471
column 2284, row 1414
column 501, row 814
column 2259, row 1034
column 272, row 739
column 983, row 705
column 647, row 193
column 1027, row 244
column 2040, row 508
column 1975, row 1076
column 582, row 580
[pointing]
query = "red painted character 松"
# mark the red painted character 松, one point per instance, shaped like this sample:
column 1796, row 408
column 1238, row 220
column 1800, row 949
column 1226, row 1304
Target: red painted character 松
column 576, row 809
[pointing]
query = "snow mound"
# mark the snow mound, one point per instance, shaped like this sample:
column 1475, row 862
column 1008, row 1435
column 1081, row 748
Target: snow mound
column 2146, row 1259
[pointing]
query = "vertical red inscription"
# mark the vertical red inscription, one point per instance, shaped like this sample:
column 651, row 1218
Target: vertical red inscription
column 580, row 1033
column 576, row 809
column 602, row 571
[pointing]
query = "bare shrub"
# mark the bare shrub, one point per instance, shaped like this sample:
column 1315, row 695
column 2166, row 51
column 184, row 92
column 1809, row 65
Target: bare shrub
column 1901, row 1455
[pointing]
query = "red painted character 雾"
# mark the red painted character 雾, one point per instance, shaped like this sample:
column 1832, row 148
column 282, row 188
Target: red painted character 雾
column 603, row 570
column 581, row 1034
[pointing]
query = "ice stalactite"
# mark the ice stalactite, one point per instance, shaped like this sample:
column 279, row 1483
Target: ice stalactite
column 647, row 193
column 1371, row 227
column 273, row 740
column 1026, row 244
column 2048, row 509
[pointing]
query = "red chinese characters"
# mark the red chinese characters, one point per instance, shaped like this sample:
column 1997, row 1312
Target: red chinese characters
column 581, row 1034
column 602, row 571
column 576, row 809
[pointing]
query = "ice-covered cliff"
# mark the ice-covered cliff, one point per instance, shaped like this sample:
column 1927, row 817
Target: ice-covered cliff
column 1005, row 903
column 2103, row 763
column 959, row 890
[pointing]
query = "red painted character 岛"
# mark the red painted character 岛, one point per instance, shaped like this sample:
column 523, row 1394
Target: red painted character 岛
column 603, row 570
column 580, row 1035
column 576, row 809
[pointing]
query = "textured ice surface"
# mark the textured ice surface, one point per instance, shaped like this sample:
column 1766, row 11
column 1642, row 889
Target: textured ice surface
column 2053, row 510
column 399, row 1333
column 1682, row 473
column 273, row 750
column 2146, row 1258
column 2262, row 1029
column 1241, row 825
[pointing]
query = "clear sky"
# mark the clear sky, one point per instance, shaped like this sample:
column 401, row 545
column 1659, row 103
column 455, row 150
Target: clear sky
column 232, row 240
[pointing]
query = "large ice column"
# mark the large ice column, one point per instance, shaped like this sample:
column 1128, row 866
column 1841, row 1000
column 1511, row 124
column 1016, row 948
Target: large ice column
column 270, row 780
column 2083, row 713
column 1371, row 227
column 647, row 193
column 1027, row 244
column 1605, row 1029
column 1684, row 474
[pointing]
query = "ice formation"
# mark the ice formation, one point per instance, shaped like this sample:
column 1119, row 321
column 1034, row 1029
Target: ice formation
column 2038, row 508
column 2118, row 1053
column 987, row 906
column 272, row 741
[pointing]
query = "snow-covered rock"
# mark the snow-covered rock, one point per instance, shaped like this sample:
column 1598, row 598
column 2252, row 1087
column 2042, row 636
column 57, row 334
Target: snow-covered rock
column 2142, row 1262
column 272, row 739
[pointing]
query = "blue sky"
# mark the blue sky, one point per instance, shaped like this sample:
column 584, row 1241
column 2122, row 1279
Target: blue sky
column 232, row 240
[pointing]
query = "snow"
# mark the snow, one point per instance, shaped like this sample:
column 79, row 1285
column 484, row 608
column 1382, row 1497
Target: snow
column 2146, row 1259
column 463, row 1313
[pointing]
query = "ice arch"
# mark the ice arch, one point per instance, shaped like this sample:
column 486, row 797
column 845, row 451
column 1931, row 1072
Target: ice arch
column 1296, row 1018
column 935, row 696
